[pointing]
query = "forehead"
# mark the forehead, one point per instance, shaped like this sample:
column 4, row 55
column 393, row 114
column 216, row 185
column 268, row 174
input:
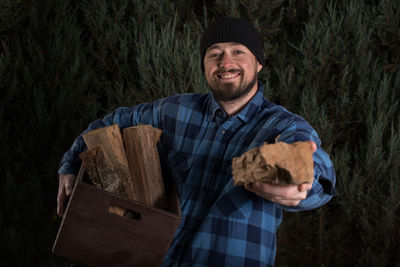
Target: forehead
column 225, row 45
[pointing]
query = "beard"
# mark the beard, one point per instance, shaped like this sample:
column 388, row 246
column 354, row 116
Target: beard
column 230, row 92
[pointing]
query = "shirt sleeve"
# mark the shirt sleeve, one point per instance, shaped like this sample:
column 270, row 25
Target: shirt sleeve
column 146, row 113
column 323, row 188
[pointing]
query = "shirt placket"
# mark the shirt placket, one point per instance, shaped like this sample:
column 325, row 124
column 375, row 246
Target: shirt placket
column 226, row 128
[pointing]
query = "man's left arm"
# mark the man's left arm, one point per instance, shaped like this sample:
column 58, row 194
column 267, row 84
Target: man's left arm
column 304, row 196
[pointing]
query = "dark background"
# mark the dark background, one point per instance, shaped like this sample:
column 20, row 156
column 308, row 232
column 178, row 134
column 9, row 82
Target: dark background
column 66, row 63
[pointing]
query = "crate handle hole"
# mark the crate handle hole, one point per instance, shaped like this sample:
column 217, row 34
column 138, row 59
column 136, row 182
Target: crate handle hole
column 124, row 212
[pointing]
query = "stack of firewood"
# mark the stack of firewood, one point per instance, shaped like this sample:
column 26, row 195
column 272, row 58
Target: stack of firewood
column 127, row 163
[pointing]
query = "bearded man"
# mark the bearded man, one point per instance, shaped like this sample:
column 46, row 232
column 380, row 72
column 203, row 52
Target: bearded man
column 222, row 224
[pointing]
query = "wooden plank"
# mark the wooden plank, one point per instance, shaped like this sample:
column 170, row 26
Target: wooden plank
column 144, row 165
column 110, row 139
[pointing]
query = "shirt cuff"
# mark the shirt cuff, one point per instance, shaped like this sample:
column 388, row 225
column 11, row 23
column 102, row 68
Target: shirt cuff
column 67, row 168
column 327, row 186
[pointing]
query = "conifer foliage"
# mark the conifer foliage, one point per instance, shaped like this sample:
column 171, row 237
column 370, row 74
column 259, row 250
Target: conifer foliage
column 66, row 63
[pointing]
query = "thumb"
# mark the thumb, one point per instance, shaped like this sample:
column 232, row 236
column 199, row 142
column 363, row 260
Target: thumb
column 304, row 187
column 313, row 146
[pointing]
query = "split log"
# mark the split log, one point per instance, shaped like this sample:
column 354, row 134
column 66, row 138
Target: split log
column 100, row 170
column 144, row 164
column 110, row 139
column 278, row 163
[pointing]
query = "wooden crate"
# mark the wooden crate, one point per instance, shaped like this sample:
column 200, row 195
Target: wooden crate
column 92, row 234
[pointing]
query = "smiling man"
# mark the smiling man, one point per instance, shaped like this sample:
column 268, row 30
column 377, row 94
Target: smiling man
column 222, row 224
column 231, row 71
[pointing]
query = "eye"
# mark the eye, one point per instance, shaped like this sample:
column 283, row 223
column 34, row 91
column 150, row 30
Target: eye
column 238, row 52
column 213, row 55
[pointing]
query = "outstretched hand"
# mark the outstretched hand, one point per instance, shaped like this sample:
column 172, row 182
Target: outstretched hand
column 284, row 194
column 287, row 195
column 65, row 185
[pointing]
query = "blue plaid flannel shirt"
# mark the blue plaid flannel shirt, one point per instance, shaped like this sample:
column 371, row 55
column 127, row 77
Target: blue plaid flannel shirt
column 222, row 224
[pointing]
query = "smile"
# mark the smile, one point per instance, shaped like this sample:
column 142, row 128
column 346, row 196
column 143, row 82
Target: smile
column 229, row 75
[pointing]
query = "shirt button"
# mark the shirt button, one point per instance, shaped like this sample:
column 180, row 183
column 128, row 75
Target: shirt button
column 223, row 131
column 219, row 113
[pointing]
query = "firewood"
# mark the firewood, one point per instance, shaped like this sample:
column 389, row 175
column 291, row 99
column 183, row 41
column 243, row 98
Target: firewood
column 101, row 171
column 278, row 163
column 144, row 164
column 110, row 139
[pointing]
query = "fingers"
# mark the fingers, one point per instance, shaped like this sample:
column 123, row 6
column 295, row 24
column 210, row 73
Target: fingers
column 288, row 195
column 65, row 187
column 69, row 184
column 61, row 197
column 286, row 202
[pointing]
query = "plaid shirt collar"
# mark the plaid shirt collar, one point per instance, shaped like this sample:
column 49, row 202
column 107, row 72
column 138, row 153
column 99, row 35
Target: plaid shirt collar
column 251, row 109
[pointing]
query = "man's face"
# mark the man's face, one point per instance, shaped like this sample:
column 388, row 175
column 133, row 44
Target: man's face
column 231, row 70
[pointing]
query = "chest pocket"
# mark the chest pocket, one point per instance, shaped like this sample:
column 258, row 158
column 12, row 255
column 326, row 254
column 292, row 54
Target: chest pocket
column 179, row 165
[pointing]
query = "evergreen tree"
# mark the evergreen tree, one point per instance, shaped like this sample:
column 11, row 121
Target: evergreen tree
column 66, row 63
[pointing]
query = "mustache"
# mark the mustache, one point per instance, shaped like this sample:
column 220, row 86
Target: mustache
column 223, row 70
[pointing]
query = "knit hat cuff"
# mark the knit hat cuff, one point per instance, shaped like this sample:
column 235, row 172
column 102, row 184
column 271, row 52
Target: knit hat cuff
column 232, row 30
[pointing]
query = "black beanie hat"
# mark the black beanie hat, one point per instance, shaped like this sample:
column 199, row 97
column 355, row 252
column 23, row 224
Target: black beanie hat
column 230, row 29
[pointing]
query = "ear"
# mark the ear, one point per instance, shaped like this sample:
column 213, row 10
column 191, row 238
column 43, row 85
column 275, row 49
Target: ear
column 259, row 67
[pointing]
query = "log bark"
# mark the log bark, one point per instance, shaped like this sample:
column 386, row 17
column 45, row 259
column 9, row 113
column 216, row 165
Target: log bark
column 278, row 163
column 144, row 164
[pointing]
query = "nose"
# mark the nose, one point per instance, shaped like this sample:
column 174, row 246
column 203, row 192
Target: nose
column 225, row 61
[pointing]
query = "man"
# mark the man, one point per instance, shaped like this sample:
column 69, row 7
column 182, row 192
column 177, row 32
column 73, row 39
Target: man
column 222, row 224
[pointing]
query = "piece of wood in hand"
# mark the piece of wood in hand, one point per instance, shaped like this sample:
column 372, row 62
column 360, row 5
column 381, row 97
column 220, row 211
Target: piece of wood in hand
column 111, row 140
column 144, row 164
column 100, row 170
column 278, row 163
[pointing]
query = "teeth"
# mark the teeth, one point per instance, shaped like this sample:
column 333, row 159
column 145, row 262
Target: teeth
column 227, row 76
